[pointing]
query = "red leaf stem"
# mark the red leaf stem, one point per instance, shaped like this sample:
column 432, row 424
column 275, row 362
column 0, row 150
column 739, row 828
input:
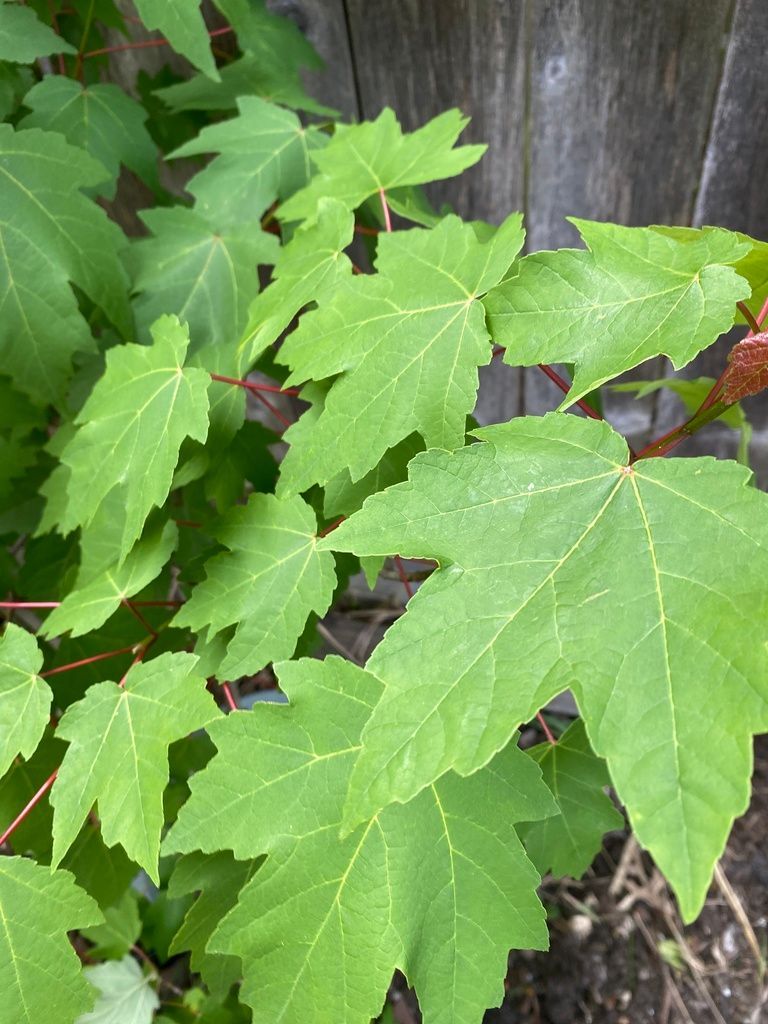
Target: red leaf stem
column 331, row 526
column 385, row 209
column 146, row 43
column 545, row 728
column 228, row 695
column 254, row 386
column 565, row 387
column 403, row 576
column 87, row 661
column 55, row 604
column 273, row 409
column 32, row 803
column 139, row 617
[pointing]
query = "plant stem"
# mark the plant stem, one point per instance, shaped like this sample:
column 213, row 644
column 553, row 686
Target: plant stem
column 32, row 803
column 403, row 576
column 87, row 661
column 84, row 41
column 145, row 43
column 385, row 209
column 228, row 695
column 545, row 728
column 252, row 386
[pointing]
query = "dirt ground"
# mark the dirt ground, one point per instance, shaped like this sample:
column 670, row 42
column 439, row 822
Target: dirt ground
column 620, row 954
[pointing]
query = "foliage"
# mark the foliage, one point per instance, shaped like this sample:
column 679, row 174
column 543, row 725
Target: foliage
column 193, row 397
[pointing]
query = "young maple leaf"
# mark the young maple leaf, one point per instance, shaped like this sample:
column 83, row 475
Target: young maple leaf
column 747, row 368
column 440, row 887
column 641, row 588
column 633, row 294
column 406, row 343
column 362, row 159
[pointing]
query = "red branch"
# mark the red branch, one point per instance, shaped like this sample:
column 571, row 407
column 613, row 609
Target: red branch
column 403, row 576
column 545, row 728
column 87, row 661
column 385, row 208
column 55, row 604
column 253, row 386
column 147, row 43
column 32, row 803
column 230, row 699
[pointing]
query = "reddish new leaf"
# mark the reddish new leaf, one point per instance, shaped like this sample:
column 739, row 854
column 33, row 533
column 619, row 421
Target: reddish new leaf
column 747, row 368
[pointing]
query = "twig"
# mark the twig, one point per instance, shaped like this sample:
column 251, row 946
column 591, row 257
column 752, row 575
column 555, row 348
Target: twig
column 737, row 907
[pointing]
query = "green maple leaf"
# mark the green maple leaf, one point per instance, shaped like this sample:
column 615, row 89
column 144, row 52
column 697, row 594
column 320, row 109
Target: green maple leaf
column 218, row 880
column 25, row 699
column 121, row 929
column 407, row 343
column 40, row 975
column 268, row 582
column 274, row 52
column 102, row 120
column 263, row 156
column 51, row 235
column 117, row 755
column 308, row 268
column 94, row 600
column 440, row 887
column 633, row 294
column 182, row 24
column 24, row 38
column 363, row 159
column 647, row 597
column 131, row 429
column 126, row 995
column 203, row 273
column 566, row 843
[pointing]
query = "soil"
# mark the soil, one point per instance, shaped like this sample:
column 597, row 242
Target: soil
column 620, row 954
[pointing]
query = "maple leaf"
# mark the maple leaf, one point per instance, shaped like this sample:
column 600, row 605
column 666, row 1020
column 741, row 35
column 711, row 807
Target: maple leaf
column 566, row 843
column 102, row 120
column 274, row 53
column 40, row 975
column 25, row 698
column 268, row 582
column 204, row 274
column 362, row 159
column 440, row 887
column 308, row 268
column 24, row 38
column 94, row 599
column 121, row 929
column 182, row 24
column 217, row 879
column 633, row 294
column 117, row 755
column 51, row 235
column 131, row 429
column 747, row 368
column 263, row 156
column 407, row 343
column 612, row 599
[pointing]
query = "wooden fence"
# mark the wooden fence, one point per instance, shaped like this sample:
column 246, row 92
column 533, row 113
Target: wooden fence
column 636, row 111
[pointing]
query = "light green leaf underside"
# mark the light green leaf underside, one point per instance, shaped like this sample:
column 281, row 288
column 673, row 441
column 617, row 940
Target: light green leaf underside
column 308, row 269
column 25, row 699
column 118, row 754
column 268, row 582
column 182, row 24
column 24, row 38
column 566, row 843
column 263, row 156
column 364, row 158
column 101, row 119
column 91, row 603
column 647, row 598
column 51, row 235
column 633, row 294
column 205, row 275
column 126, row 995
column 131, row 429
column 407, row 342
column 440, row 887
column 40, row 976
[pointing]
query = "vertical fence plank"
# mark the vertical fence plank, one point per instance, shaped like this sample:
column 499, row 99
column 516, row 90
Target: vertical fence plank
column 621, row 96
column 323, row 22
column 421, row 57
